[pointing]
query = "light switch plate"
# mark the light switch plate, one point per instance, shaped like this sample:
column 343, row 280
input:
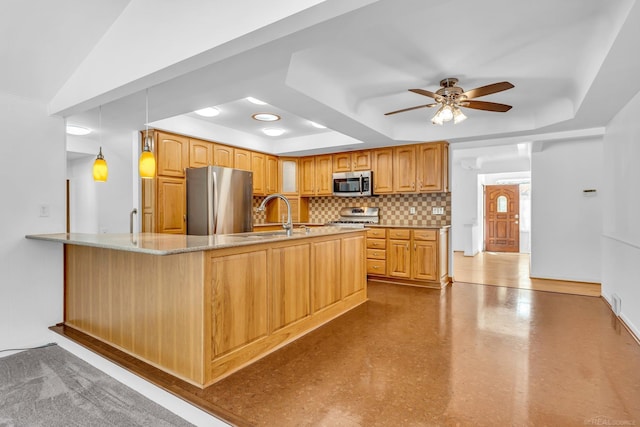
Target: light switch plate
column 437, row 211
column 412, row 210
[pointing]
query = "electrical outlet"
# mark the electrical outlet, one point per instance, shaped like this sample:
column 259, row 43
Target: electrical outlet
column 412, row 210
column 437, row 211
column 44, row 210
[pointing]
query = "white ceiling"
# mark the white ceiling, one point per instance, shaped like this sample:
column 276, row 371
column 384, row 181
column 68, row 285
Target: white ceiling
column 572, row 63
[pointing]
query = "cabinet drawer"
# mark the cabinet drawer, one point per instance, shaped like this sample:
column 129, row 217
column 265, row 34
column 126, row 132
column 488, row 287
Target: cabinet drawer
column 377, row 233
column 376, row 243
column 376, row 254
column 399, row 233
column 425, row 234
column 377, row 267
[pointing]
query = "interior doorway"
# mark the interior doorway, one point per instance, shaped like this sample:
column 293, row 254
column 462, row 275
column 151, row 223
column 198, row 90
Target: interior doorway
column 502, row 218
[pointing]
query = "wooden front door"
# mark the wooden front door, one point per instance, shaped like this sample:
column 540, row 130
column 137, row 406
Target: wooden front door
column 502, row 213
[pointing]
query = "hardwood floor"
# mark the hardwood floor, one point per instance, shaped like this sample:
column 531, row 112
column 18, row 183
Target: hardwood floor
column 467, row 355
column 512, row 270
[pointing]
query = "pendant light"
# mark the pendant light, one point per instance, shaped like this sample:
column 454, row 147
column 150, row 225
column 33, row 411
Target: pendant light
column 147, row 163
column 100, row 170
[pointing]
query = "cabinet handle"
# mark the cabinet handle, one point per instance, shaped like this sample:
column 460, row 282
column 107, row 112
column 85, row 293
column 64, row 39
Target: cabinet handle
column 375, row 267
column 184, row 218
column 415, row 246
column 407, row 246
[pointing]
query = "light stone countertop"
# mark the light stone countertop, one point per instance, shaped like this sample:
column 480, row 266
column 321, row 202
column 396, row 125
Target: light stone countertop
column 168, row 244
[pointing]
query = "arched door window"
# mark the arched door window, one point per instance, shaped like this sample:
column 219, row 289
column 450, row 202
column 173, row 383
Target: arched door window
column 502, row 204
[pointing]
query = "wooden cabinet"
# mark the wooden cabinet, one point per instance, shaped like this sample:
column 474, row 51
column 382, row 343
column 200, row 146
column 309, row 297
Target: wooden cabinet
column 291, row 279
column 271, row 174
column 382, row 166
column 277, row 210
column 259, row 175
column 171, row 205
column 377, row 251
column 352, row 161
column 324, row 175
column 223, row 155
column 172, row 152
column 432, row 170
column 404, row 169
column 409, row 256
column 200, row 153
column 307, row 176
column 326, row 274
column 240, row 311
column 288, row 175
column 353, row 274
column 242, row 159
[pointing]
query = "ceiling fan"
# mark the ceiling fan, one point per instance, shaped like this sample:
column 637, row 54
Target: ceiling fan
column 451, row 97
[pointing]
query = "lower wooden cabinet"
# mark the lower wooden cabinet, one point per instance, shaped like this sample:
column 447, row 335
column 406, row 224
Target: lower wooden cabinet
column 171, row 205
column 412, row 256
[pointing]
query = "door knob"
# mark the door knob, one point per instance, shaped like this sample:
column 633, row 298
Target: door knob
column 516, row 222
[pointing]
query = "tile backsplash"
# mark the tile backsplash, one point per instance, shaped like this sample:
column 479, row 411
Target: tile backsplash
column 394, row 208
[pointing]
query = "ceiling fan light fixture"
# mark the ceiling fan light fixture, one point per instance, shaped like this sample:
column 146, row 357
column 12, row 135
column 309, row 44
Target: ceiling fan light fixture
column 446, row 113
column 458, row 116
column 437, row 118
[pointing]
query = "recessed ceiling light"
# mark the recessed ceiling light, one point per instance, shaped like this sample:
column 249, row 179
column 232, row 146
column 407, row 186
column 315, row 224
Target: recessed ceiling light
column 266, row 117
column 273, row 131
column 317, row 125
column 208, row 112
column 256, row 101
column 77, row 130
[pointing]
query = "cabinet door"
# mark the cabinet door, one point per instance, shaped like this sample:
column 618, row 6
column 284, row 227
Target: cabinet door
column 404, row 169
column 238, row 301
column 382, row 167
column 171, row 206
column 342, row 162
column 425, row 260
column 271, row 174
column 223, row 155
column 307, row 176
column 324, row 175
column 288, row 176
column 398, row 258
column 361, row 161
column 326, row 276
column 258, row 169
column 200, row 153
column 430, row 170
column 354, row 268
column 290, row 285
column 242, row 159
column 173, row 154
column 148, row 205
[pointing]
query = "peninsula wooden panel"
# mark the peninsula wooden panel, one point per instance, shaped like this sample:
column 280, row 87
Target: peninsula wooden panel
column 290, row 285
column 354, row 272
column 143, row 304
column 326, row 278
column 239, row 298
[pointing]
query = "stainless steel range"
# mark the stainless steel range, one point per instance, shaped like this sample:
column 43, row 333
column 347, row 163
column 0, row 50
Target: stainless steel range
column 357, row 217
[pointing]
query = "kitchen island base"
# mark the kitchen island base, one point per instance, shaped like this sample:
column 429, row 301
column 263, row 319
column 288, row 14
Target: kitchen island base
column 203, row 315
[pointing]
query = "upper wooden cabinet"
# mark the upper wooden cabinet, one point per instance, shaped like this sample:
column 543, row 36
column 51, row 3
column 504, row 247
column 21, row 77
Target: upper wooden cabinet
column 352, row 161
column 271, row 174
column 242, row 159
column 432, row 167
column 258, row 169
column 404, row 169
column 307, row 176
column 223, row 155
column 288, row 168
column 172, row 152
column 324, row 175
column 171, row 206
column 200, row 153
column 382, row 166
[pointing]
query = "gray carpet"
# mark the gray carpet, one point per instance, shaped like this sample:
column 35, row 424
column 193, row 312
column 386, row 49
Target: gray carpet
column 51, row 387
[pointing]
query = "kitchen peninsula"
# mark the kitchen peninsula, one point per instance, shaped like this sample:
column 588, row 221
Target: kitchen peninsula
column 202, row 307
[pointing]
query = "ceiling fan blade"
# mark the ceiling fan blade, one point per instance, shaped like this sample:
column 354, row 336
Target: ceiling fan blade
column 488, row 106
column 487, row 90
column 409, row 109
column 425, row 93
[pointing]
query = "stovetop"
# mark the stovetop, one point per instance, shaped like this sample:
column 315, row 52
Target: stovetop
column 352, row 216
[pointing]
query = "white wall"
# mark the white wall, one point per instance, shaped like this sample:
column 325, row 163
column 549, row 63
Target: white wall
column 621, row 218
column 32, row 173
column 566, row 225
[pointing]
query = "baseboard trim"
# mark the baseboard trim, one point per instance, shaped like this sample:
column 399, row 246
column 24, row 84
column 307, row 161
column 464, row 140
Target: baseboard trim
column 621, row 320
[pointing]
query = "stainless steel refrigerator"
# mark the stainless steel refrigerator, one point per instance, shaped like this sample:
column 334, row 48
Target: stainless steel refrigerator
column 219, row 200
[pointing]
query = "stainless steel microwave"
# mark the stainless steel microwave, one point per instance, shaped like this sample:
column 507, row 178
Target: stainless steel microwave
column 349, row 184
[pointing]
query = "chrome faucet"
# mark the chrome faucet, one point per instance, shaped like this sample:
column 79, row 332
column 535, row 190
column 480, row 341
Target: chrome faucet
column 286, row 225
